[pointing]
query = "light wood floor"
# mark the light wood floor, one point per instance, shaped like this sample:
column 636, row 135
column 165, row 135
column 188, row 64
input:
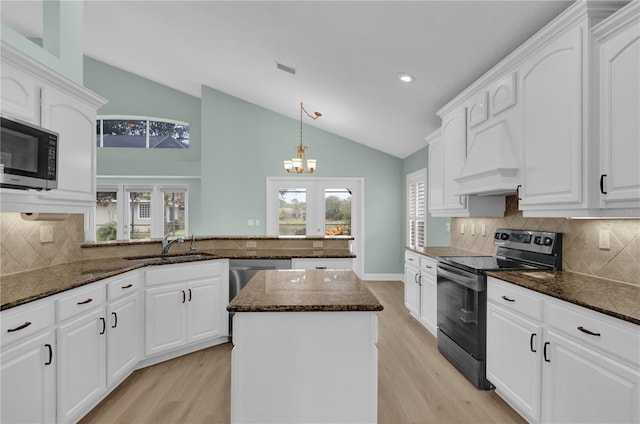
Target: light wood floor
column 415, row 383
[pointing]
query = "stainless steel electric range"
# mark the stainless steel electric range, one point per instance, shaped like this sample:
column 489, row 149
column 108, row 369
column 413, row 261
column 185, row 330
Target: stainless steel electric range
column 462, row 294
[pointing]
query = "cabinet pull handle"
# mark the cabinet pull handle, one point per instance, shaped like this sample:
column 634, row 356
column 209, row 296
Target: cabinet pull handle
column 591, row 333
column 531, row 342
column 544, row 351
column 321, row 267
column 518, row 187
column 128, row 286
column 184, row 296
column 84, row 302
column 420, row 280
column 602, row 183
column 48, row 346
column 104, row 325
column 415, row 278
column 410, row 259
column 189, row 295
column 115, row 319
column 429, row 266
column 508, row 299
column 25, row 325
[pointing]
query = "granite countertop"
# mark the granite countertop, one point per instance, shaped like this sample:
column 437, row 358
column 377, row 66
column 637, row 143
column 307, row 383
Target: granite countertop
column 613, row 298
column 304, row 291
column 201, row 238
column 23, row 287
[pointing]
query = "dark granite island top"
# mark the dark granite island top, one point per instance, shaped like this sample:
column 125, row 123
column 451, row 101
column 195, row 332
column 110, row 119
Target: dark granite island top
column 304, row 291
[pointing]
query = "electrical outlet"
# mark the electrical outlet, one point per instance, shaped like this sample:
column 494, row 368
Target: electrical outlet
column 46, row 234
column 604, row 241
column 473, row 229
column 252, row 244
column 317, row 244
column 461, row 228
column 484, row 230
column 250, row 222
column 447, row 227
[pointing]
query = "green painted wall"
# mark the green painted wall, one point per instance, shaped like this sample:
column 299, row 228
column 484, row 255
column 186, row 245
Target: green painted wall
column 436, row 227
column 243, row 144
column 129, row 94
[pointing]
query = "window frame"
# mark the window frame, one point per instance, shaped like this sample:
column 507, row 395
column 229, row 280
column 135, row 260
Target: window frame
column 101, row 118
column 416, row 214
column 156, row 207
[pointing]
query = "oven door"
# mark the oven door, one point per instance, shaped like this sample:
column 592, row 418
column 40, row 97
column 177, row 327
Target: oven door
column 462, row 308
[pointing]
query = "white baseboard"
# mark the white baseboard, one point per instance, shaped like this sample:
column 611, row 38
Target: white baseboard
column 382, row 277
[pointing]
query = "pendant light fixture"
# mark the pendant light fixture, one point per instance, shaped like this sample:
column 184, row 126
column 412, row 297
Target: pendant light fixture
column 300, row 164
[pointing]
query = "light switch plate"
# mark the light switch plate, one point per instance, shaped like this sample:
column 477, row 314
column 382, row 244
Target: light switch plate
column 252, row 244
column 604, row 241
column 473, row 229
column 317, row 244
column 461, row 228
column 46, row 234
column 484, row 230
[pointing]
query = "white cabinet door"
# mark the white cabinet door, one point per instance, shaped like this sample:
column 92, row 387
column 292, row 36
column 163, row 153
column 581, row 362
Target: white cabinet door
column 412, row 288
column 29, row 382
column 123, row 338
column 580, row 385
column 81, row 369
column 75, row 121
column 203, row 302
column 620, row 122
column 513, row 360
column 552, row 82
column 165, row 318
column 454, row 139
column 428, row 294
column 20, row 94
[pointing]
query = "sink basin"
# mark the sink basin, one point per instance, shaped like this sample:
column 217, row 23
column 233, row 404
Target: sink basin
column 168, row 258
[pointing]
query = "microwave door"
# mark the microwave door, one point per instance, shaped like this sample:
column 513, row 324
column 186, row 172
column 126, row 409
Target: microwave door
column 19, row 153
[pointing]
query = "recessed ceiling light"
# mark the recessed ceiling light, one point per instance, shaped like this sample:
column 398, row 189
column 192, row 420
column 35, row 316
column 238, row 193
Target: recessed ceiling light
column 404, row 77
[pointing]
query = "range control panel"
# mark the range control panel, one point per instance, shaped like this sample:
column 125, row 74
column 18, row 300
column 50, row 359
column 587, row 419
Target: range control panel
column 530, row 241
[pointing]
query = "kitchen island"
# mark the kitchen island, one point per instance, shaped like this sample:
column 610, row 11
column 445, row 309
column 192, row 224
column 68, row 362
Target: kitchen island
column 304, row 349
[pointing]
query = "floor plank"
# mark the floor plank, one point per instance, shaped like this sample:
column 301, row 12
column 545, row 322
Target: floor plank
column 415, row 383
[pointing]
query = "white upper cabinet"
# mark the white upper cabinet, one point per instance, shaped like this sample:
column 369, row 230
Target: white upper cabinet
column 619, row 48
column 552, row 82
column 33, row 93
column 454, row 146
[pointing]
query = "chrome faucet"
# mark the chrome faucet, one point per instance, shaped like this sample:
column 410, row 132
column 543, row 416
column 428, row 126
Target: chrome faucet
column 166, row 244
column 192, row 248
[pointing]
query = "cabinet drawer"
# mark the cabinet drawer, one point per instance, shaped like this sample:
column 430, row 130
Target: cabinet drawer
column 123, row 285
column 328, row 263
column 517, row 299
column 428, row 267
column 610, row 335
column 22, row 321
column 412, row 258
column 163, row 274
column 80, row 300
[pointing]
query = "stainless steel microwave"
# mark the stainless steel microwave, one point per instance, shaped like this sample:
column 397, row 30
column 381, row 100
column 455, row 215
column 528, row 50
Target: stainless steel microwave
column 28, row 156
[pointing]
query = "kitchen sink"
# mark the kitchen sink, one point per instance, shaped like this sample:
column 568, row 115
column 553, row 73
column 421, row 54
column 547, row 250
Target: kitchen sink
column 171, row 258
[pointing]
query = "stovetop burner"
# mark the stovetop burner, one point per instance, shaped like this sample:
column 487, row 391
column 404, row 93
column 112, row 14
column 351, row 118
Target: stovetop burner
column 478, row 264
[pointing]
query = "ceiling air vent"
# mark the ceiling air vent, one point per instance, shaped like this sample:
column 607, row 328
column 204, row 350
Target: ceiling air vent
column 286, row 68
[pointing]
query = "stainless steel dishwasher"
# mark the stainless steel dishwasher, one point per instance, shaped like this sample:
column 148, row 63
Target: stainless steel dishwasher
column 242, row 270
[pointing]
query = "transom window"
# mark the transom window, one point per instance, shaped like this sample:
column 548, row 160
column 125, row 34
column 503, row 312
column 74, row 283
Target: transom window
column 138, row 132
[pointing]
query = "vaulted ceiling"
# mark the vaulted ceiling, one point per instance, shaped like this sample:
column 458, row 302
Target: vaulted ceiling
column 346, row 54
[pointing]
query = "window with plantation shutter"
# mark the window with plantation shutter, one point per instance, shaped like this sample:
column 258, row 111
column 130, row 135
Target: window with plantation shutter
column 417, row 209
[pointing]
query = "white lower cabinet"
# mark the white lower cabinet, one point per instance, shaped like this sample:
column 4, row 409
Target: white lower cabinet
column 420, row 296
column 185, row 304
column 81, row 367
column 123, row 337
column 555, row 362
column 28, row 381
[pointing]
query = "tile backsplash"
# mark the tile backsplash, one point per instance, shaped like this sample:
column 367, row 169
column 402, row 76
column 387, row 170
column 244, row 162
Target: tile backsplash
column 580, row 241
column 21, row 248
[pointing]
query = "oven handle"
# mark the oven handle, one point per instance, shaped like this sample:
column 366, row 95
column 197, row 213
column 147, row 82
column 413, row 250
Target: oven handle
column 469, row 282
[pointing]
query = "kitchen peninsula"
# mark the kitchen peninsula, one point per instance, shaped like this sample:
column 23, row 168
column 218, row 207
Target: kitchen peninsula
column 304, row 348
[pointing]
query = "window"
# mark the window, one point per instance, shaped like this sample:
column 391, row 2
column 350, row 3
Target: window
column 145, row 133
column 307, row 206
column 146, row 212
column 417, row 209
